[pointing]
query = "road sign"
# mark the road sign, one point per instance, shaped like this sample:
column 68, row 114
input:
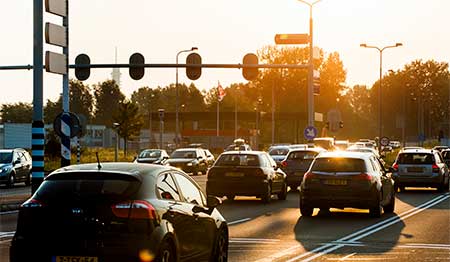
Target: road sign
column 384, row 141
column 56, row 7
column 55, row 35
column 75, row 127
column 310, row 132
column 55, row 63
column 291, row 39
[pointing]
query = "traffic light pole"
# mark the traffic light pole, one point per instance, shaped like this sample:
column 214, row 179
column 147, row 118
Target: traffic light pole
column 65, row 119
column 311, row 71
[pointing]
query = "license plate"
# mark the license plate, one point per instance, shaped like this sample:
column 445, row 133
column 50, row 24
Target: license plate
column 75, row 259
column 415, row 169
column 336, row 182
column 234, row 174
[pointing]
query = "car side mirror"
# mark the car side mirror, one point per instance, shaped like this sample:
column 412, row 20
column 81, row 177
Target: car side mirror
column 199, row 157
column 213, row 201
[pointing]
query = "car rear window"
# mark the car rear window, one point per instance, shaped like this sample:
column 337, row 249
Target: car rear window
column 83, row 186
column 150, row 153
column 415, row 158
column 184, row 154
column 238, row 160
column 338, row 164
column 278, row 151
column 302, row 155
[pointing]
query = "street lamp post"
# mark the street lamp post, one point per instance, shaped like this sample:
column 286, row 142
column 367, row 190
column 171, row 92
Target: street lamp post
column 311, row 65
column 380, row 132
column 150, row 119
column 177, row 127
column 116, row 148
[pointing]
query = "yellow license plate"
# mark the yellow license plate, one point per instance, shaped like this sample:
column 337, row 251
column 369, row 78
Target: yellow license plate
column 234, row 174
column 75, row 259
column 336, row 182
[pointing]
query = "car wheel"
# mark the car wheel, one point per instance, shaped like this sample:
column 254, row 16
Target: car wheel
column 377, row 209
column 220, row 253
column 28, row 180
column 230, row 197
column 306, row 211
column 389, row 208
column 268, row 194
column 166, row 253
column 283, row 194
column 11, row 180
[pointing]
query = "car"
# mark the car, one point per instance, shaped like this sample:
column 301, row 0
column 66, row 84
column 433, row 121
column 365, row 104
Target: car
column 363, row 149
column 15, row 166
column 278, row 153
column 238, row 145
column 297, row 162
column 326, row 143
column 395, row 144
column 210, row 159
column 246, row 173
column 446, row 156
column 440, row 148
column 341, row 144
column 152, row 156
column 411, row 148
column 190, row 160
column 344, row 179
column 119, row 212
column 420, row 168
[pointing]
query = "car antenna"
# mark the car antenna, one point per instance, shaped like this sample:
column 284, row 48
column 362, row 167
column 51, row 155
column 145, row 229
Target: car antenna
column 99, row 166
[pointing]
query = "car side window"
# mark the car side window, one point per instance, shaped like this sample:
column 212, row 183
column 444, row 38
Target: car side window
column 167, row 188
column 190, row 192
column 272, row 162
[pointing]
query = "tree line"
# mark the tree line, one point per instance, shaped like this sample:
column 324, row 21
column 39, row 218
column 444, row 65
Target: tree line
column 416, row 96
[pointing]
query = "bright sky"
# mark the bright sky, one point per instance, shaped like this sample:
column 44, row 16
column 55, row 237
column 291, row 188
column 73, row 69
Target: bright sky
column 224, row 31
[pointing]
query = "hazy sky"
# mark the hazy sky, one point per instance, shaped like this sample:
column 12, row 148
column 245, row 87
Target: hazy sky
column 224, row 31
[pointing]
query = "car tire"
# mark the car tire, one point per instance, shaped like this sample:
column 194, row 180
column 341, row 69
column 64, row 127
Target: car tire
column 220, row 253
column 11, row 180
column 389, row 208
column 267, row 195
column 377, row 209
column 166, row 253
column 306, row 211
column 283, row 194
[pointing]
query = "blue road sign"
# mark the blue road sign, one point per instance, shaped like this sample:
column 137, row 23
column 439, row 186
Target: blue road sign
column 310, row 132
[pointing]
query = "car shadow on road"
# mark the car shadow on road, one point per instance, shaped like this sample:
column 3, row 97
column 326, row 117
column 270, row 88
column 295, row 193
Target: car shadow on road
column 418, row 196
column 331, row 227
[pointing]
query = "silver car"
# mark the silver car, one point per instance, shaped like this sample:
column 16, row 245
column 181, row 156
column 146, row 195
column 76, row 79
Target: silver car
column 420, row 168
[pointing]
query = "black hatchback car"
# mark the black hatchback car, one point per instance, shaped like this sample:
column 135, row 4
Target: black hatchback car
column 119, row 212
column 246, row 173
column 347, row 179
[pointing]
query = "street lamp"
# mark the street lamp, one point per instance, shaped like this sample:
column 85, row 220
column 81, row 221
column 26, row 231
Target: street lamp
column 177, row 128
column 311, row 65
column 379, row 90
column 116, row 126
column 150, row 119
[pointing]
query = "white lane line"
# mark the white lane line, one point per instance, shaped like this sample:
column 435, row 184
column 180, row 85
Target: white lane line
column 239, row 221
column 7, row 233
column 292, row 250
column 255, row 239
column 9, row 212
column 381, row 227
column 347, row 256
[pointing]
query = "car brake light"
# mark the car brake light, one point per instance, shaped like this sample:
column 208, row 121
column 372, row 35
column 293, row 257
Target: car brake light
column 137, row 209
column 284, row 163
column 32, row 203
column 435, row 168
column 395, row 167
column 364, row 177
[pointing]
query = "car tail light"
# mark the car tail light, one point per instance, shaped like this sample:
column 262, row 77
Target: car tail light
column 395, row 167
column 435, row 168
column 284, row 163
column 137, row 209
column 363, row 177
column 32, row 203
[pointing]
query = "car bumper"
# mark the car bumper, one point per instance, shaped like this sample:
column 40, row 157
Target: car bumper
column 416, row 181
column 294, row 178
column 323, row 199
column 241, row 188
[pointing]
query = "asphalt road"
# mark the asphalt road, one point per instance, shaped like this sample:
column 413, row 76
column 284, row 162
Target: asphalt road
column 419, row 230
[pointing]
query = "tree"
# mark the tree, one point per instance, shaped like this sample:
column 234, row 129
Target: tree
column 81, row 99
column 17, row 113
column 129, row 120
column 52, row 110
column 108, row 97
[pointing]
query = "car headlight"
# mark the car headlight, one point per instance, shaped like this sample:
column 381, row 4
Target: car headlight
column 5, row 169
column 189, row 164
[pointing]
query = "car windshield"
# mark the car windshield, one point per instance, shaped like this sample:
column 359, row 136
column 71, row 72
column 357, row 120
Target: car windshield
column 5, row 157
column 278, row 151
column 415, row 158
column 183, row 154
column 150, row 154
column 302, row 155
column 236, row 148
column 338, row 164
column 446, row 155
column 238, row 160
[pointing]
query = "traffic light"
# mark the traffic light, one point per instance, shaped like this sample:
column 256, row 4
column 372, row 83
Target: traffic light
column 250, row 73
column 341, row 124
column 193, row 73
column 137, row 72
column 82, row 73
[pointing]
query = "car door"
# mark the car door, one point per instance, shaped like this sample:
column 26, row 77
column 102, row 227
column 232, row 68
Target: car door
column 18, row 165
column 386, row 180
column 442, row 166
column 202, row 228
column 277, row 176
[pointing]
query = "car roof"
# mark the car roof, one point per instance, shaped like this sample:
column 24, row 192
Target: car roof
column 243, row 152
column 187, row 149
column 7, row 150
column 345, row 154
column 315, row 149
column 416, row 150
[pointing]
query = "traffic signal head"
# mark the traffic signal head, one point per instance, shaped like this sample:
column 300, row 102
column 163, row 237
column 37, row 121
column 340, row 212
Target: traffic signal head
column 341, row 124
column 250, row 73
column 193, row 73
column 137, row 72
column 82, row 73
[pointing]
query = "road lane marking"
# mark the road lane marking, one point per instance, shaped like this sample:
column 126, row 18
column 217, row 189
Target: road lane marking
column 347, row 256
column 239, row 221
column 331, row 247
column 9, row 212
column 254, row 239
